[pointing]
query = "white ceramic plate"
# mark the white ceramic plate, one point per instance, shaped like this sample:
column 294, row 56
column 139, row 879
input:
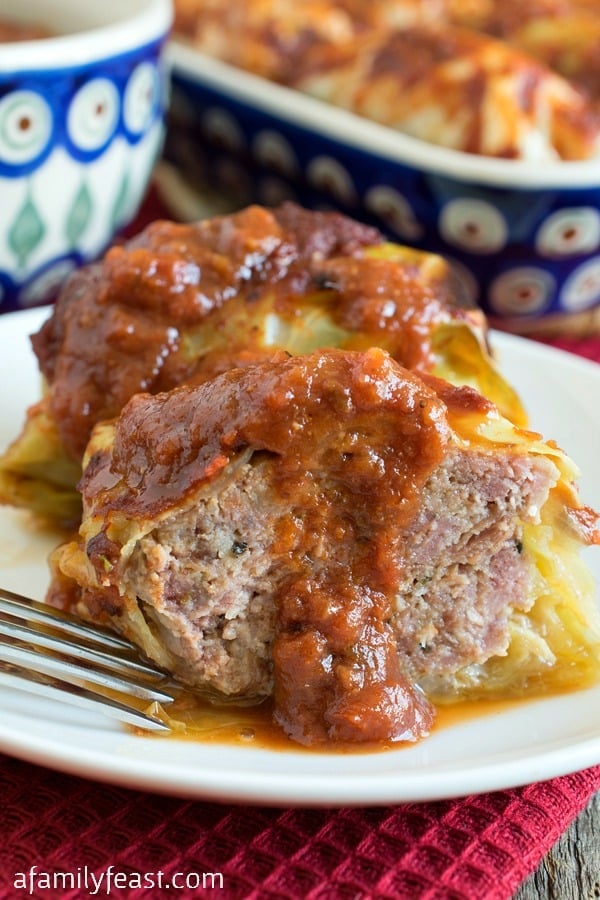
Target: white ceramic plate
column 531, row 742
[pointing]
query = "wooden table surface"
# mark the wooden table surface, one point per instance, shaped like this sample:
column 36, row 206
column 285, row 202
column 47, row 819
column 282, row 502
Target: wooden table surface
column 571, row 871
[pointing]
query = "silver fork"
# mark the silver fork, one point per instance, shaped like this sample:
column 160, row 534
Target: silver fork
column 55, row 655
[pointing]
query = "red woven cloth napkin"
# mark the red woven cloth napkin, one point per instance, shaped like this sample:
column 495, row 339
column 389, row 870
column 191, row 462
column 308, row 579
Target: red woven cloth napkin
column 477, row 848
column 474, row 848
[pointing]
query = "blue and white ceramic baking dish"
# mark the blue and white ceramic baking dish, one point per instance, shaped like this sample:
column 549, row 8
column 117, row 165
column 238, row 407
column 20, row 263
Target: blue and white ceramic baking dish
column 526, row 236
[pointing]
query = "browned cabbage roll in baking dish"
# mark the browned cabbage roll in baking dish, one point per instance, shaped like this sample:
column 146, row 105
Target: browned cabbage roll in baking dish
column 181, row 303
column 459, row 89
column 356, row 541
column 262, row 35
column 412, row 67
column 562, row 34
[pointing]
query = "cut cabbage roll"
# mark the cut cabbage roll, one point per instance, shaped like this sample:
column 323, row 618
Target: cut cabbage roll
column 181, row 303
column 356, row 541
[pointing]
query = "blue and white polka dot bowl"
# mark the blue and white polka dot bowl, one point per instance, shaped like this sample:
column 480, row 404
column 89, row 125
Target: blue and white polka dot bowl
column 81, row 125
column 525, row 235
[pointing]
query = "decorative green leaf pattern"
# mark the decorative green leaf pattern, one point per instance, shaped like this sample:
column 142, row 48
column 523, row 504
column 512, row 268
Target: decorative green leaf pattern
column 26, row 232
column 80, row 215
column 121, row 200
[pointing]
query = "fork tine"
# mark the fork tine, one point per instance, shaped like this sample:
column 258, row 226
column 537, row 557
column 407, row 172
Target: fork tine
column 53, row 654
column 50, row 640
column 31, row 653
column 56, row 689
column 22, row 607
column 19, row 653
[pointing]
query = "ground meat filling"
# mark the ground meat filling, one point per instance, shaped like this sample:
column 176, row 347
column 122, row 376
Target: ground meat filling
column 464, row 568
column 212, row 583
column 320, row 537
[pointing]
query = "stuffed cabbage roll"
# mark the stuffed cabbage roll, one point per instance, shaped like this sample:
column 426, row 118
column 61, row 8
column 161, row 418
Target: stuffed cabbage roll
column 356, row 541
column 181, row 303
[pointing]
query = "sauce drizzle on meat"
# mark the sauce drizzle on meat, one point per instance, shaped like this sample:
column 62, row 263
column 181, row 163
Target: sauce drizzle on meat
column 375, row 434
column 182, row 303
column 331, row 531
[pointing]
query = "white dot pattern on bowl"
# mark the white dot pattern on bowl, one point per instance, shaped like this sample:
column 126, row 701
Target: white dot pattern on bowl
column 141, row 98
column 466, row 278
column 393, row 207
column 223, row 129
column 25, row 126
column 581, row 290
column 522, row 291
column 474, row 225
column 569, row 232
column 273, row 151
column 327, row 173
column 93, row 114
